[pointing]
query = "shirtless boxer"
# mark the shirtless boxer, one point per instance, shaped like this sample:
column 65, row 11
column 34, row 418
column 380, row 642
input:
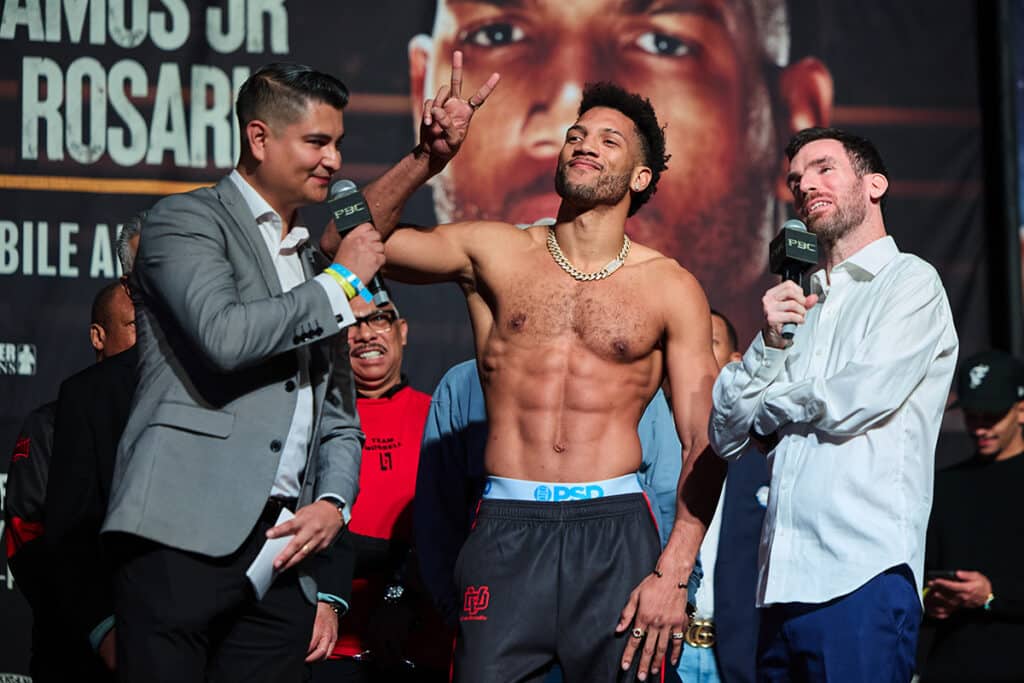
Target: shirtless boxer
column 568, row 359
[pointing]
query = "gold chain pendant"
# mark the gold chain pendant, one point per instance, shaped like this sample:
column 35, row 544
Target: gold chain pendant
column 577, row 274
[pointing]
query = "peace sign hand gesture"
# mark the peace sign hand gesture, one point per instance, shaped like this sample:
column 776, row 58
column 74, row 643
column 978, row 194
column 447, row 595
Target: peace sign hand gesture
column 446, row 116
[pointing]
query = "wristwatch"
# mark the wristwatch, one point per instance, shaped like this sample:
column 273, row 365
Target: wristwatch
column 338, row 503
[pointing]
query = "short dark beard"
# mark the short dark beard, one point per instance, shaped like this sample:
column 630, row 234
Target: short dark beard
column 609, row 189
column 851, row 211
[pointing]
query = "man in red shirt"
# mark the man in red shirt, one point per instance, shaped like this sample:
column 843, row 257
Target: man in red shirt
column 386, row 630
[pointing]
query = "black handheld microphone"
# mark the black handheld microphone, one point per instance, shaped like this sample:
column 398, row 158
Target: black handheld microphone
column 792, row 253
column 348, row 208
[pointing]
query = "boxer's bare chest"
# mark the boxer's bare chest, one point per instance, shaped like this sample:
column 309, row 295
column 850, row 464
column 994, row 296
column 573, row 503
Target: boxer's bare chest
column 607, row 318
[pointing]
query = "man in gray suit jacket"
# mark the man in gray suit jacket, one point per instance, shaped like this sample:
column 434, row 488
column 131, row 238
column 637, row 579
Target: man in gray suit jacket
column 243, row 409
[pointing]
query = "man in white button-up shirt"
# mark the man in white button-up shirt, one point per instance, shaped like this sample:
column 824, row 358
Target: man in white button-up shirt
column 856, row 400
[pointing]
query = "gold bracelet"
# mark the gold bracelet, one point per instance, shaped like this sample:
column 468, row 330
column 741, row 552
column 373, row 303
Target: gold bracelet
column 657, row 572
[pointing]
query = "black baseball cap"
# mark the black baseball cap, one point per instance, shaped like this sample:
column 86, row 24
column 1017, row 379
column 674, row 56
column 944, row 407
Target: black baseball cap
column 990, row 382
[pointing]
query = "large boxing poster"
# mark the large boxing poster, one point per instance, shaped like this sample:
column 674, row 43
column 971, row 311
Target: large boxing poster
column 110, row 104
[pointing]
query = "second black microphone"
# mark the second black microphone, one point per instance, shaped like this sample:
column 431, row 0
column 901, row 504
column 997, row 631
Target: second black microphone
column 348, row 208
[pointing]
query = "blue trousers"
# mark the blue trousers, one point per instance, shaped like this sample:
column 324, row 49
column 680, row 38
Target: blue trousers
column 867, row 636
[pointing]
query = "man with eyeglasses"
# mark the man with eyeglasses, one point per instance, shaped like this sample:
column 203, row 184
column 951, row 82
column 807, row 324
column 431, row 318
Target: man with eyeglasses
column 389, row 631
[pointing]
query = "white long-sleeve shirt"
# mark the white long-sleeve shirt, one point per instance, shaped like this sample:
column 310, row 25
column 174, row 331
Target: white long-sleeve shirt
column 857, row 401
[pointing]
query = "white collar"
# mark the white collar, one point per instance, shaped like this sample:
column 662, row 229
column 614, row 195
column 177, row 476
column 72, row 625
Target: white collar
column 262, row 211
column 868, row 261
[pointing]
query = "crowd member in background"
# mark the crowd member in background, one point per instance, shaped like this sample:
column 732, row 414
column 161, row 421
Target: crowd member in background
column 721, row 77
column 856, row 398
column 27, row 472
column 58, row 653
column 974, row 562
column 92, row 409
column 390, row 632
column 721, row 641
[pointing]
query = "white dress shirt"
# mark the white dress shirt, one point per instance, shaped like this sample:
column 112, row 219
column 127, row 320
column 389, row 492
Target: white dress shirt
column 285, row 257
column 857, row 400
column 705, row 602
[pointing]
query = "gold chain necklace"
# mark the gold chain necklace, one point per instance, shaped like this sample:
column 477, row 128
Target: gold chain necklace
column 611, row 267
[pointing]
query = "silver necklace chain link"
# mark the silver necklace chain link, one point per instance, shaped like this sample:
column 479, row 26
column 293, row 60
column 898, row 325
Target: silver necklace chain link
column 577, row 274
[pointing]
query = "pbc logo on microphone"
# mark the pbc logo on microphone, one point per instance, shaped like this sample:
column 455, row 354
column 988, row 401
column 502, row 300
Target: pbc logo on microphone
column 802, row 245
column 350, row 210
column 474, row 601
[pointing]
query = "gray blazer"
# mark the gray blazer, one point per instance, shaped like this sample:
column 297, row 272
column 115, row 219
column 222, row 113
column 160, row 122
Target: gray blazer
column 219, row 351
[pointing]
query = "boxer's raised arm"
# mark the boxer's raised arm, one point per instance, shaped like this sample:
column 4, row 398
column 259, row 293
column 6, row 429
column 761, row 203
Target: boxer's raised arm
column 443, row 127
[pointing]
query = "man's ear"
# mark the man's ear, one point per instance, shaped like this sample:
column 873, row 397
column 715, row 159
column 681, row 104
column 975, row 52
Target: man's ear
column 421, row 51
column 806, row 92
column 641, row 179
column 256, row 134
column 97, row 336
column 877, row 185
column 403, row 330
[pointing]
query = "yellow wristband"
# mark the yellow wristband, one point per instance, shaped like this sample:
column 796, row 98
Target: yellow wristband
column 346, row 286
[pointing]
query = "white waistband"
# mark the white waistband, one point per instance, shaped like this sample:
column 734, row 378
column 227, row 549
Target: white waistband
column 503, row 488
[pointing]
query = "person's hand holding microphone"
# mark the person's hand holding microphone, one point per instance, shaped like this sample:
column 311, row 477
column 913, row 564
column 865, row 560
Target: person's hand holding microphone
column 793, row 251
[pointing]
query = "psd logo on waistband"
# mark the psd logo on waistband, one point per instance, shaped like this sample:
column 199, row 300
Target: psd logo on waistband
column 17, row 359
column 556, row 494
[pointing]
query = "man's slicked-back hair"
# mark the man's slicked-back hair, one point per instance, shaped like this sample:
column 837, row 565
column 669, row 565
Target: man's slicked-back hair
column 652, row 137
column 278, row 94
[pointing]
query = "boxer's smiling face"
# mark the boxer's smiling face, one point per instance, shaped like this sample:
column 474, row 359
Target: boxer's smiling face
column 597, row 159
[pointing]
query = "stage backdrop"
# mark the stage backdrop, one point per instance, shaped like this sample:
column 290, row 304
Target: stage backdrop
column 109, row 104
